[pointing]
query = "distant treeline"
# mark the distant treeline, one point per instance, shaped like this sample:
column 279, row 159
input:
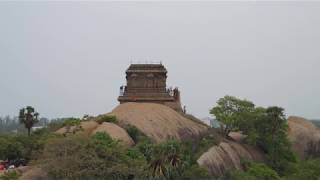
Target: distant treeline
column 316, row 122
column 12, row 124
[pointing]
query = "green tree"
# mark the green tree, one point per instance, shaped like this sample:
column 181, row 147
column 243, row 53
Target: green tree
column 231, row 112
column 28, row 116
column 305, row 170
column 272, row 129
column 265, row 128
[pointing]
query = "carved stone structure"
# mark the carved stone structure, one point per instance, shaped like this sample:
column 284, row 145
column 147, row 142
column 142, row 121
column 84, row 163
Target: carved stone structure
column 147, row 83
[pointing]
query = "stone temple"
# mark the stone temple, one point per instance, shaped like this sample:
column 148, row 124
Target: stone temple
column 146, row 83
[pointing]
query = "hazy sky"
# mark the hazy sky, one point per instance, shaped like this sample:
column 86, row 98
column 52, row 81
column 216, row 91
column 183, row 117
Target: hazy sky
column 69, row 59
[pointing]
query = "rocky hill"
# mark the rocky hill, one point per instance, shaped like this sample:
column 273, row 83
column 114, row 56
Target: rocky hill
column 304, row 135
column 158, row 122
column 161, row 123
column 91, row 127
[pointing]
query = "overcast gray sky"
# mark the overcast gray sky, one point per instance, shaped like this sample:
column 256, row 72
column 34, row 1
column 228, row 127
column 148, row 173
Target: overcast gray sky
column 69, row 59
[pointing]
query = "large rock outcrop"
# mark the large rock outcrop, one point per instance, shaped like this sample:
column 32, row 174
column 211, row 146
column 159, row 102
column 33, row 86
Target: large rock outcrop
column 157, row 121
column 85, row 127
column 303, row 134
column 305, row 137
column 91, row 127
column 115, row 132
column 226, row 156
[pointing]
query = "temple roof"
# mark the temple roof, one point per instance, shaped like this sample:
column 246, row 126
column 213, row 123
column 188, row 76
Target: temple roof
column 146, row 68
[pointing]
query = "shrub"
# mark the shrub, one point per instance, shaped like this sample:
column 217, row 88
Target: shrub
column 256, row 171
column 98, row 157
column 11, row 175
column 106, row 118
column 305, row 170
column 71, row 122
column 103, row 140
column 136, row 134
column 196, row 172
column 15, row 147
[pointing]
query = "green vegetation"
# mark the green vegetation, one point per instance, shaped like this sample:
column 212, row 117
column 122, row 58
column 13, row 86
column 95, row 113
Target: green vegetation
column 254, row 171
column 15, row 147
column 106, row 118
column 97, row 157
column 13, row 175
column 101, row 157
column 71, row 122
column 264, row 127
column 272, row 138
column 231, row 112
column 79, row 157
column 28, row 116
column 316, row 123
column 305, row 170
column 136, row 135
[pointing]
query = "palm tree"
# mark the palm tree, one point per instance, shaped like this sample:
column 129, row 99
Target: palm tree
column 174, row 160
column 158, row 166
column 28, row 116
column 166, row 161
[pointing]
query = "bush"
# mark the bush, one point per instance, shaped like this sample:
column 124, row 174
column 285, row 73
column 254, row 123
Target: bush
column 256, row 171
column 196, row 172
column 98, row 157
column 15, row 146
column 136, row 134
column 305, row 170
column 103, row 140
column 106, row 118
column 71, row 122
column 11, row 175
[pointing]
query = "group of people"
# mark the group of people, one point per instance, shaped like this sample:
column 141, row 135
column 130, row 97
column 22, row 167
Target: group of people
column 122, row 90
column 173, row 92
column 12, row 164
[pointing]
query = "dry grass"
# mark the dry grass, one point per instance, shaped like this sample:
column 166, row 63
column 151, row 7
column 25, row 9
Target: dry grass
column 33, row 173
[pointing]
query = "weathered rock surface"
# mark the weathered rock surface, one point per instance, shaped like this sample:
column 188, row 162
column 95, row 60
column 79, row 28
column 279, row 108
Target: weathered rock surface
column 85, row 127
column 228, row 155
column 157, row 121
column 115, row 132
column 304, row 135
